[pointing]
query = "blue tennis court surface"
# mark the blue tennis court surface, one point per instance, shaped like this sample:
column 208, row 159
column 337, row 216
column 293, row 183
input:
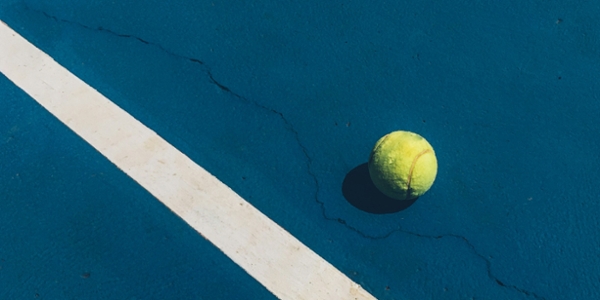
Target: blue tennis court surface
column 282, row 102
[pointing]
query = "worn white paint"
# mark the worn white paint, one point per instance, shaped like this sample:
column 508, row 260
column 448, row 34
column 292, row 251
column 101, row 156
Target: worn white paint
column 280, row 262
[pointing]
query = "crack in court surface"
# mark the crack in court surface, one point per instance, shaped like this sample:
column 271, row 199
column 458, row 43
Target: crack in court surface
column 305, row 151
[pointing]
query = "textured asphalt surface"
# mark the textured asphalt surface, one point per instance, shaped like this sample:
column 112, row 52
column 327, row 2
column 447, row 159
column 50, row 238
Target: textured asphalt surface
column 283, row 102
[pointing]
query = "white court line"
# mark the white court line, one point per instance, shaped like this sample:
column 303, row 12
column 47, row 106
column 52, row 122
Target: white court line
column 271, row 255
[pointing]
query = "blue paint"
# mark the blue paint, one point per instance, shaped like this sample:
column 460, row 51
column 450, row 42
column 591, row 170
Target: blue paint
column 72, row 226
column 282, row 101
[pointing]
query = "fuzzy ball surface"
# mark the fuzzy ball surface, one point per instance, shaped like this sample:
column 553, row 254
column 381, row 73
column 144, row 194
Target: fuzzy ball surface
column 403, row 165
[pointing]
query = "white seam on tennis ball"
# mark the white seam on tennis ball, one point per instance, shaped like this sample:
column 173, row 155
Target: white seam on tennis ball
column 412, row 167
column 285, row 266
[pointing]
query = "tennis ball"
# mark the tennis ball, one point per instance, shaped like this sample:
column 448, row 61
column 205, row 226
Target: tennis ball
column 403, row 165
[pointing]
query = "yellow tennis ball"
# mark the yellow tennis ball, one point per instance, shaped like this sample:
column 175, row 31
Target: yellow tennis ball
column 403, row 165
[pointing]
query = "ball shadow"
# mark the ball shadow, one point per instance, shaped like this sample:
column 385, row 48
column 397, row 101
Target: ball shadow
column 359, row 190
